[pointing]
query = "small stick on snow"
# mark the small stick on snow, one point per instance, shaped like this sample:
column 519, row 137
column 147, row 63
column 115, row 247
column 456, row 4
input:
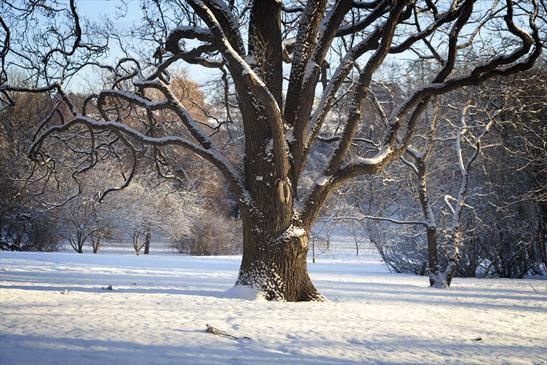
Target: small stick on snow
column 533, row 287
column 218, row 332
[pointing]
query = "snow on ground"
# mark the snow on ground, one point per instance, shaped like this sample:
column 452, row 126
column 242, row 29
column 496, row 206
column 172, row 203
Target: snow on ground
column 54, row 310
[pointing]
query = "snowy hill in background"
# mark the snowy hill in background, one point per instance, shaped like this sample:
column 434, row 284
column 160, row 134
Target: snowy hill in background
column 55, row 310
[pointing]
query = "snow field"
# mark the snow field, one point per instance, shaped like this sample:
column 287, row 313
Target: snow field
column 54, row 310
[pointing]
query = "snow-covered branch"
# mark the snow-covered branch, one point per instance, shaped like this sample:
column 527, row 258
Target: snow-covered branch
column 243, row 73
column 220, row 162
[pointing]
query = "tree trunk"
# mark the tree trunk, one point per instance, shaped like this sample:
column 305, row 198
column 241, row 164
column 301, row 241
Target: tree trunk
column 275, row 242
column 77, row 242
column 443, row 279
column 137, row 243
column 96, row 245
column 81, row 242
column 432, row 256
column 542, row 234
column 147, row 238
column 275, row 264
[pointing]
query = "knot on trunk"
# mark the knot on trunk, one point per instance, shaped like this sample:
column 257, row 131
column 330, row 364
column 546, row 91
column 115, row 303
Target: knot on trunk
column 284, row 192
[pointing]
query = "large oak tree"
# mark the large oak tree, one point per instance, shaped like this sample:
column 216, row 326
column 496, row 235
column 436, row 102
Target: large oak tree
column 326, row 45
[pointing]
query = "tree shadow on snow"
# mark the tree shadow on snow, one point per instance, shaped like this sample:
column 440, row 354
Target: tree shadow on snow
column 400, row 292
column 67, row 289
column 23, row 350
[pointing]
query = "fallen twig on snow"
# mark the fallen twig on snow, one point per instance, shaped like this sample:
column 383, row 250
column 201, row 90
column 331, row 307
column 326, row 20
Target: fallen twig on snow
column 218, row 332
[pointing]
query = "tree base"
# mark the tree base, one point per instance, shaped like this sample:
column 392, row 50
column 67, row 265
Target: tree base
column 273, row 284
column 439, row 280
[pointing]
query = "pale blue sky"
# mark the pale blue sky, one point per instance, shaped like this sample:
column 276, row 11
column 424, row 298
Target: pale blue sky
column 125, row 17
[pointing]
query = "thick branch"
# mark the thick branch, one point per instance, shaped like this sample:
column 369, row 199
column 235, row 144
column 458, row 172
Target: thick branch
column 306, row 40
column 224, row 166
column 247, row 80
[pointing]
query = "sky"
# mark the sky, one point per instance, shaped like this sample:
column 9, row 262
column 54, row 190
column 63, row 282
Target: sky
column 127, row 13
column 126, row 16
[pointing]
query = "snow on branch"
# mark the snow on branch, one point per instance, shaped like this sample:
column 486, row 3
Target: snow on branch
column 342, row 71
column 233, row 176
column 379, row 8
column 175, row 105
column 197, row 55
column 504, row 64
column 305, row 72
column 377, row 218
column 320, row 192
column 186, row 32
column 306, row 40
column 226, row 20
column 242, row 72
column 360, row 89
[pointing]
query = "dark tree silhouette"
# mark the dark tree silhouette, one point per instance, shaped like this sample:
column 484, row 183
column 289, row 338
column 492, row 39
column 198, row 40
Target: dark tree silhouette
column 327, row 44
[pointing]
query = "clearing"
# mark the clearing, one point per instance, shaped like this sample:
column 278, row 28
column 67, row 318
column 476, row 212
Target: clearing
column 56, row 309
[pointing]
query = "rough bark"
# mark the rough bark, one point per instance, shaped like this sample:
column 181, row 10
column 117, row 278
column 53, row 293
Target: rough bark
column 265, row 45
column 542, row 234
column 275, row 263
column 275, row 243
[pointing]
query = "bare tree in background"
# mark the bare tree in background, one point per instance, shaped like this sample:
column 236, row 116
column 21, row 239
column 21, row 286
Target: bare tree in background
column 513, row 232
column 350, row 38
column 472, row 240
column 84, row 223
column 23, row 224
column 149, row 211
column 466, row 133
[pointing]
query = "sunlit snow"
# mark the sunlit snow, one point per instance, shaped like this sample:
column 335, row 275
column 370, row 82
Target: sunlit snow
column 55, row 310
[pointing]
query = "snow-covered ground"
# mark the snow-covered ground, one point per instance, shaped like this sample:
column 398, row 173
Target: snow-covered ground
column 54, row 310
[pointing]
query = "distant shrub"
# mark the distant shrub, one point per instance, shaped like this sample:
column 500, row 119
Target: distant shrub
column 26, row 233
column 211, row 235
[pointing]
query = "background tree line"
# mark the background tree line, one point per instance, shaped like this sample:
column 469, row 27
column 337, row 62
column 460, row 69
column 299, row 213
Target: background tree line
column 503, row 224
column 41, row 211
